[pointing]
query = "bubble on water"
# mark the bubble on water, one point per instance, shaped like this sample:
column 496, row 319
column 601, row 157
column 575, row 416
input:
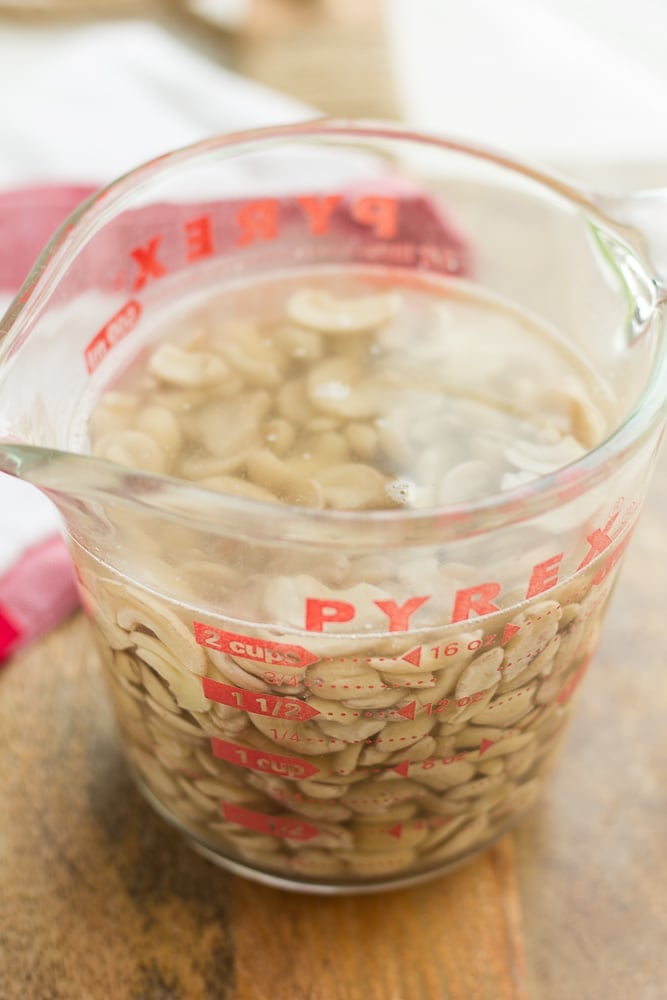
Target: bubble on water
column 402, row 491
column 335, row 389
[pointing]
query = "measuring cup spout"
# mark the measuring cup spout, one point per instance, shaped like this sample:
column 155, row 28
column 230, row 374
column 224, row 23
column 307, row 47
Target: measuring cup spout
column 643, row 214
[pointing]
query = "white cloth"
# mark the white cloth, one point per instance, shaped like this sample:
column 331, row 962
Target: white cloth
column 85, row 104
column 566, row 82
column 89, row 103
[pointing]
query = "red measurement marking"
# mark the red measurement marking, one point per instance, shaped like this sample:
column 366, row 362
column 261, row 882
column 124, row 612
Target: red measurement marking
column 396, row 831
column 508, row 632
column 274, row 826
column 147, row 261
column 115, row 330
column 259, row 760
column 408, row 711
column 402, row 768
column 414, row 656
column 257, row 704
column 280, row 654
column 484, row 746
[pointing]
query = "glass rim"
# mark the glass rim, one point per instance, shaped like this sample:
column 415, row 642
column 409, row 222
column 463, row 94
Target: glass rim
column 65, row 473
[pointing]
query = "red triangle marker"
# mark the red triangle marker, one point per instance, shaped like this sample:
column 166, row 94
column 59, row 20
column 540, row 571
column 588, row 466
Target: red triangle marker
column 484, row 746
column 396, row 830
column 408, row 711
column 414, row 656
column 402, row 769
column 508, row 632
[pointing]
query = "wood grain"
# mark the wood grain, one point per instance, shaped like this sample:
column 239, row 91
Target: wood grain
column 100, row 899
column 406, row 944
column 329, row 53
column 591, row 860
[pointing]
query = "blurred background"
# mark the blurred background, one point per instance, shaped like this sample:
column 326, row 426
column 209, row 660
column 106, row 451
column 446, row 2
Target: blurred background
column 89, row 88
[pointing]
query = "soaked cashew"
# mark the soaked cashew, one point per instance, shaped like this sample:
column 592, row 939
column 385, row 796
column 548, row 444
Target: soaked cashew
column 148, row 613
column 362, row 440
column 186, row 369
column 227, row 428
column 356, row 745
column 252, row 357
column 160, row 424
column 481, row 674
column 267, row 471
column 238, row 488
column 352, row 486
column 279, row 435
column 540, row 458
column 464, row 482
column 133, row 448
column 114, row 412
column 321, row 311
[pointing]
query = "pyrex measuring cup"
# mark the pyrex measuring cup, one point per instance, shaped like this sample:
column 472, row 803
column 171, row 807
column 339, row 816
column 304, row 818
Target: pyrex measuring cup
column 318, row 698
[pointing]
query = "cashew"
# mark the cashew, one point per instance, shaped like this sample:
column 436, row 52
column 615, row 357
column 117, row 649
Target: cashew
column 238, row 488
column 481, row 674
column 132, row 448
column 279, row 435
column 266, row 470
column 114, row 412
column 507, row 709
column 541, row 458
column 362, row 440
column 321, row 311
column 336, row 387
column 425, row 742
column 465, row 837
column 352, row 486
column 160, row 424
column 337, row 680
column 303, row 346
column 175, row 366
column 148, row 614
column 465, row 482
column 252, row 357
column 228, row 427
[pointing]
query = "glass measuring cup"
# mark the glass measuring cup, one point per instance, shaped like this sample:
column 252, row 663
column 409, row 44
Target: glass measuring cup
column 337, row 700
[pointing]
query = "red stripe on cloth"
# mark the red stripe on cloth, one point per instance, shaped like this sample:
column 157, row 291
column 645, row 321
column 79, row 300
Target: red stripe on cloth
column 29, row 218
column 38, row 592
column 9, row 635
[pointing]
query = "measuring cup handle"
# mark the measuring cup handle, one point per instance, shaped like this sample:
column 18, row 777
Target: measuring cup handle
column 644, row 213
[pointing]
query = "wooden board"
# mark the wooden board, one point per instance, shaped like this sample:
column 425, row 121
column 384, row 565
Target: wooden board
column 100, row 900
